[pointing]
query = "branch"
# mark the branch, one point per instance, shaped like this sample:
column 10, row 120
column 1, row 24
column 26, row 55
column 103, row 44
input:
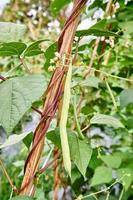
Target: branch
column 35, row 109
column 2, row 78
column 49, row 164
column 40, row 171
column 7, row 176
column 24, row 64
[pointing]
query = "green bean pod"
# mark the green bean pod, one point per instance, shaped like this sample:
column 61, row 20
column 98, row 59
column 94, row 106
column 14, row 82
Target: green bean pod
column 63, row 122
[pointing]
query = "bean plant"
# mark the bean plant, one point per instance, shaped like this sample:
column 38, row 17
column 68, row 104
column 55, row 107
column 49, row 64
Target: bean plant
column 66, row 100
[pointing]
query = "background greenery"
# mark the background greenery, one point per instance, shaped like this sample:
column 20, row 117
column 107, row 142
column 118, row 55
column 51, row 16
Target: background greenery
column 105, row 157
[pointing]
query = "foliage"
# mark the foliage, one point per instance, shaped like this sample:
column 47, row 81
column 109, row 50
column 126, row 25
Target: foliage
column 18, row 94
column 102, row 159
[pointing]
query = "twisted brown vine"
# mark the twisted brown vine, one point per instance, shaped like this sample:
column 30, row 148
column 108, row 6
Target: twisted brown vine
column 52, row 98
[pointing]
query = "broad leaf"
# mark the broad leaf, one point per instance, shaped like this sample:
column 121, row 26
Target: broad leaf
column 95, row 32
column 126, row 177
column 34, row 49
column 127, row 27
column 91, row 82
column 28, row 140
column 56, row 5
column 107, row 120
column 126, row 97
column 75, row 175
column 10, row 32
column 80, row 152
column 13, row 139
column 79, row 149
column 102, row 24
column 112, row 161
column 54, row 136
column 12, row 48
column 50, row 54
column 98, row 29
column 102, row 175
column 18, row 94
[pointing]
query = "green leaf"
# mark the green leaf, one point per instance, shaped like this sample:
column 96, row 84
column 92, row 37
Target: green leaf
column 17, row 96
column 34, row 49
column 126, row 97
column 75, row 175
column 112, row 161
column 28, row 140
column 79, row 149
column 102, row 175
column 127, row 27
column 91, row 82
column 100, row 24
column 57, row 5
column 95, row 162
column 50, row 54
column 12, row 48
column 107, row 120
column 98, row 29
column 95, row 32
column 80, row 152
column 126, row 176
column 10, row 32
column 22, row 198
column 54, row 136
column 13, row 139
column 40, row 194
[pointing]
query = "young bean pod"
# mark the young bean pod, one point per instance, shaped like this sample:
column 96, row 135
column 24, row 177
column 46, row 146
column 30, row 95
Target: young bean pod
column 63, row 121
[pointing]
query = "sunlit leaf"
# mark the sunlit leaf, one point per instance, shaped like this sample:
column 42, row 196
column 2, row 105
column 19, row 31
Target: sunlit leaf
column 50, row 54
column 112, row 161
column 80, row 152
column 18, row 94
column 107, row 120
column 95, row 32
column 56, row 5
column 79, row 149
column 34, row 49
column 92, row 81
column 11, row 32
column 12, row 48
column 101, row 175
column 126, row 97
column 13, row 139
column 126, row 177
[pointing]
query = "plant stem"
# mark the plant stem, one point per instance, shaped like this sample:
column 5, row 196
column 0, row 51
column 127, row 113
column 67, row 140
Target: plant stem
column 2, row 78
column 94, row 53
column 48, row 164
column 25, row 66
column 80, row 135
column 7, row 176
column 40, row 171
column 56, row 175
column 111, row 94
column 113, row 76
column 106, row 189
column 11, row 195
column 121, row 194
column 108, row 194
column 38, row 111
